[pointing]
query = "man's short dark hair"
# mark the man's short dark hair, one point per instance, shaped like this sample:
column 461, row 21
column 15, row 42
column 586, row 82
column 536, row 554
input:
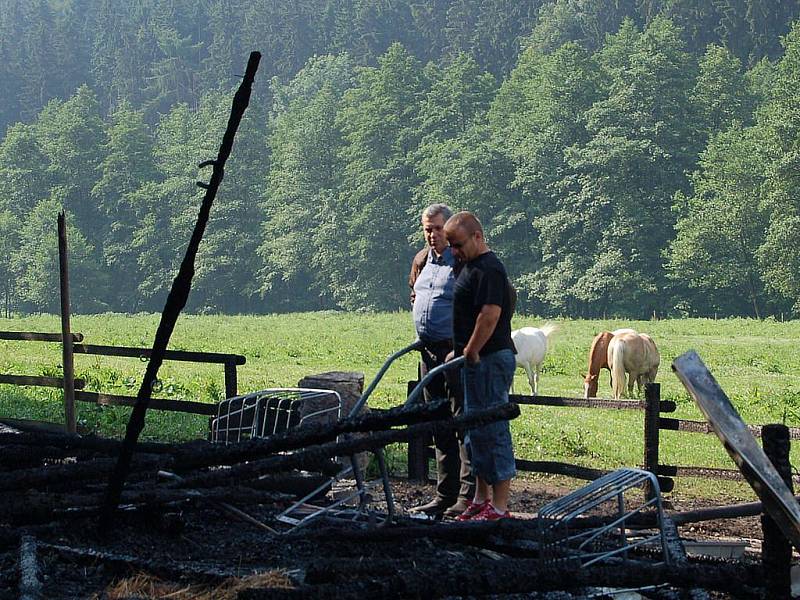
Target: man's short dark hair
column 465, row 220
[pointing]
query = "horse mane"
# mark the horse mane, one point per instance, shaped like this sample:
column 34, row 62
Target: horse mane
column 603, row 338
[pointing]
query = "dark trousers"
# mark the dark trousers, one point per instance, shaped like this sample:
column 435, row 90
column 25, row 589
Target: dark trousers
column 453, row 473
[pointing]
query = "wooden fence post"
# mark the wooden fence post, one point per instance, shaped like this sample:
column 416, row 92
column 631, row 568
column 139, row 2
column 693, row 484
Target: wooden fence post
column 231, row 383
column 652, row 411
column 776, row 556
column 70, row 420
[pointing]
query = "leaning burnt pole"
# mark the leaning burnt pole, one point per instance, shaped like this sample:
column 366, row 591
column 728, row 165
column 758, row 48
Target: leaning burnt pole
column 178, row 294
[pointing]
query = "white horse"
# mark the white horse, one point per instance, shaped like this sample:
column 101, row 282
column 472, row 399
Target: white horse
column 598, row 359
column 636, row 355
column 531, row 344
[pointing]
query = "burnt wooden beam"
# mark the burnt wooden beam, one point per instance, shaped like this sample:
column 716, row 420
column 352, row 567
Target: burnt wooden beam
column 776, row 551
column 178, row 294
column 200, row 453
column 677, row 553
column 740, row 444
column 318, row 454
column 69, row 442
column 472, row 576
column 457, row 532
column 70, row 474
column 124, row 563
column 308, row 434
column 30, row 584
column 44, row 507
column 15, row 457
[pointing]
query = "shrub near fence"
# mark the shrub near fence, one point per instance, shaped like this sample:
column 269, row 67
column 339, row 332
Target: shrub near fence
column 420, row 450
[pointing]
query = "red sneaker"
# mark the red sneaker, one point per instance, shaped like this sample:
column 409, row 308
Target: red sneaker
column 473, row 510
column 489, row 513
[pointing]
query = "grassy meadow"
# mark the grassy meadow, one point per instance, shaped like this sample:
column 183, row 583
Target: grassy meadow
column 756, row 363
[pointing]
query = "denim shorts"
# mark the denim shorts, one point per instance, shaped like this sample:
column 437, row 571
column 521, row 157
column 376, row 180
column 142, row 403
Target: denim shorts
column 486, row 385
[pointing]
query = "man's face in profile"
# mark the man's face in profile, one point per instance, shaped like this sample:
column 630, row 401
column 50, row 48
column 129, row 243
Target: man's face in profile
column 463, row 244
column 433, row 228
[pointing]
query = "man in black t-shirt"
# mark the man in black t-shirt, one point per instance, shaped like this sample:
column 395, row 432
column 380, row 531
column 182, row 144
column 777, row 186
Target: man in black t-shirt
column 482, row 313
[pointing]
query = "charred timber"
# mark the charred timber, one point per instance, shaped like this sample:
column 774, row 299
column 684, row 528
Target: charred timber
column 513, row 537
column 178, row 294
column 314, row 456
column 30, row 585
column 123, row 563
column 200, row 453
column 36, row 507
column 15, row 457
column 386, row 578
column 75, row 442
column 455, row 532
column 309, row 434
column 70, row 474
column 295, row 483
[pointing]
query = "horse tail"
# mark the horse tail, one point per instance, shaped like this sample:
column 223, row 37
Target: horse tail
column 617, row 365
column 548, row 329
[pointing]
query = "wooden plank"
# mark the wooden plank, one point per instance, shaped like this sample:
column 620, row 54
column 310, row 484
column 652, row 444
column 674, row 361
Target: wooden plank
column 704, row 427
column 144, row 353
column 185, row 406
column 28, row 336
column 577, row 402
column 39, row 381
column 739, row 443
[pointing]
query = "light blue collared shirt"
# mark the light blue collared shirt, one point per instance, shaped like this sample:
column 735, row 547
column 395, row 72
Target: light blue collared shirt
column 433, row 301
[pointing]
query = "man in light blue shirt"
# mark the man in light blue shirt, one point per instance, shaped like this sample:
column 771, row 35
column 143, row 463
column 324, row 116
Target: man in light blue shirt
column 432, row 278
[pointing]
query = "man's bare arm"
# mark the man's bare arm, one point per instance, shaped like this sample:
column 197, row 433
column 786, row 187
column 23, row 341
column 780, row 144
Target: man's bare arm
column 484, row 328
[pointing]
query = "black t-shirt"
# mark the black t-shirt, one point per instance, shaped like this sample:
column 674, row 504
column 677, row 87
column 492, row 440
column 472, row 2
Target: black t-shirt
column 481, row 281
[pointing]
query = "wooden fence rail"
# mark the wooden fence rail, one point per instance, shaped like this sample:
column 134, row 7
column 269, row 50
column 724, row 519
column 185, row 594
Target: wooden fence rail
column 230, row 363
column 27, row 336
column 34, row 380
column 419, row 450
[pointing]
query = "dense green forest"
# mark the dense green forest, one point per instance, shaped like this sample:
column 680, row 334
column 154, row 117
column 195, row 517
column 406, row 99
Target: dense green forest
column 626, row 157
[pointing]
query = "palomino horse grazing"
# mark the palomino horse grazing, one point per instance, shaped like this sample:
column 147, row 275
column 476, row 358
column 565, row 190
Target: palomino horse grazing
column 636, row 355
column 598, row 359
column 531, row 345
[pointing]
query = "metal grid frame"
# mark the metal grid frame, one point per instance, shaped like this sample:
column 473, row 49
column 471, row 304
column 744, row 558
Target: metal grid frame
column 563, row 538
column 267, row 412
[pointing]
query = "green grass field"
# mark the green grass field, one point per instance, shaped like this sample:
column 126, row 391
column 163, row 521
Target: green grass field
column 756, row 363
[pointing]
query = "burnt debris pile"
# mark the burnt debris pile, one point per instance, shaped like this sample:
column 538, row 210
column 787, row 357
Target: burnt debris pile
column 201, row 517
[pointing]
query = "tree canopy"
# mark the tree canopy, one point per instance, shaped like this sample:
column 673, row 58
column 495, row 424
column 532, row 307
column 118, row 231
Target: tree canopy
column 625, row 158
